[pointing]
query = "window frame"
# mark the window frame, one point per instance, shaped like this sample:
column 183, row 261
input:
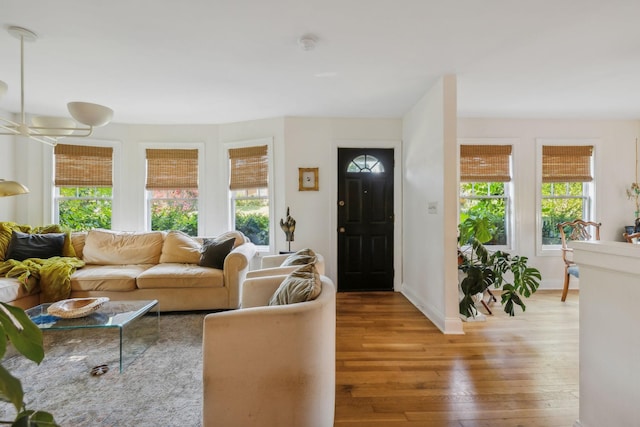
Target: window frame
column 589, row 190
column 52, row 203
column 148, row 193
column 270, row 187
column 509, row 189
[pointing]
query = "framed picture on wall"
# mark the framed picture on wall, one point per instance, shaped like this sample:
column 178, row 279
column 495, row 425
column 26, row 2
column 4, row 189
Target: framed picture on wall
column 308, row 179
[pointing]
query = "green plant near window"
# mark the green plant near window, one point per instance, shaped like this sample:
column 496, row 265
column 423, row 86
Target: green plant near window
column 499, row 269
column 18, row 330
column 255, row 226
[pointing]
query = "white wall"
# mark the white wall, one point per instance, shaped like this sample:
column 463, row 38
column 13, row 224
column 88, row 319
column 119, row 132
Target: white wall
column 313, row 142
column 430, row 209
column 615, row 166
column 297, row 142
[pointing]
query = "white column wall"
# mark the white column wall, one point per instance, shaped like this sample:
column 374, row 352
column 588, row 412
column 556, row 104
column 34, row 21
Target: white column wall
column 430, row 210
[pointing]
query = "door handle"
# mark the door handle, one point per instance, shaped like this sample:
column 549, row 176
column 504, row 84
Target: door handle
column 341, row 230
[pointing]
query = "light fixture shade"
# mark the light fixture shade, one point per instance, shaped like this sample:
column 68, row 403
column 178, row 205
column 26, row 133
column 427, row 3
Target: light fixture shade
column 90, row 114
column 3, row 88
column 11, row 188
column 53, row 125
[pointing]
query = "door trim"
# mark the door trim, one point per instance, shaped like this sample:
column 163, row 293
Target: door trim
column 396, row 145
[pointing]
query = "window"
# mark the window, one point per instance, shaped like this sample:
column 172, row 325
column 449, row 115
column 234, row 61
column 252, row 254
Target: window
column 365, row 163
column 249, row 190
column 567, row 187
column 172, row 190
column 485, row 189
column 83, row 186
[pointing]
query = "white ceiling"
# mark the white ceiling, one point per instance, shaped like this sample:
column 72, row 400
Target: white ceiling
column 221, row 61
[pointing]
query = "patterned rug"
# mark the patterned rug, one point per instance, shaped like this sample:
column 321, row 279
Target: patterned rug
column 160, row 387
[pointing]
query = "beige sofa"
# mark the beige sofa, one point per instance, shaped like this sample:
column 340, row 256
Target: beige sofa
column 271, row 366
column 150, row 265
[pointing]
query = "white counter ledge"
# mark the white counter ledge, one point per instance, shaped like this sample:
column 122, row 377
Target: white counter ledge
column 609, row 333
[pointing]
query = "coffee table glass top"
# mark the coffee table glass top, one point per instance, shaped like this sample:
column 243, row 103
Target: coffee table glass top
column 113, row 314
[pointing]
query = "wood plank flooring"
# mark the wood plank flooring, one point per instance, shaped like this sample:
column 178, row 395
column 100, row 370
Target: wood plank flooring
column 395, row 368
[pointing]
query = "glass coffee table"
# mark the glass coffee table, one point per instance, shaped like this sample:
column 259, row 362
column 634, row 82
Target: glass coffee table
column 123, row 315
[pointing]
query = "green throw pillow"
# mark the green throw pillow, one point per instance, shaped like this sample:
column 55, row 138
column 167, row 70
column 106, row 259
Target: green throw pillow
column 299, row 286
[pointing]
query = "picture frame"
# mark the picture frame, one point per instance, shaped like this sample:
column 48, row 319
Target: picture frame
column 308, row 179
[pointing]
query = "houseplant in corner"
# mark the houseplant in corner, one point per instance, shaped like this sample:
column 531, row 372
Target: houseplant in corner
column 483, row 269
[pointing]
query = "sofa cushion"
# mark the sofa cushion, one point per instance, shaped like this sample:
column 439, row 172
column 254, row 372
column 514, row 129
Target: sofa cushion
column 175, row 275
column 108, row 247
column 301, row 257
column 78, row 239
column 180, row 247
column 214, row 252
column 237, row 235
column 25, row 245
column 107, row 277
column 299, row 286
column 11, row 289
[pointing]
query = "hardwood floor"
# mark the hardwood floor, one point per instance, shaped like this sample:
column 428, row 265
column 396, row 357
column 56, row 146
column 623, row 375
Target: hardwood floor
column 395, row 368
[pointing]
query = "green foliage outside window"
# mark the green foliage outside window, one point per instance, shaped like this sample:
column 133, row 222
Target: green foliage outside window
column 85, row 208
column 252, row 218
column 174, row 209
column 179, row 215
column 561, row 201
column 485, row 200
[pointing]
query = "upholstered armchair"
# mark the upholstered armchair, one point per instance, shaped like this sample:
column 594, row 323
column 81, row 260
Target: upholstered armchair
column 270, row 265
column 270, row 366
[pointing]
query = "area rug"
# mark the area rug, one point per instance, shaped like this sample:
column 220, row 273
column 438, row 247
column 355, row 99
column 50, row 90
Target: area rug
column 160, row 387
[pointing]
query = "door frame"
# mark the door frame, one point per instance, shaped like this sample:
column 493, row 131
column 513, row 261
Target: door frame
column 396, row 145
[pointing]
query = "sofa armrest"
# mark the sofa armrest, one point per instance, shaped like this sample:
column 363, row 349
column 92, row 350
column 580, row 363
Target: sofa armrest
column 271, row 366
column 274, row 261
column 257, row 291
column 272, row 271
column 235, row 268
column 270, row 261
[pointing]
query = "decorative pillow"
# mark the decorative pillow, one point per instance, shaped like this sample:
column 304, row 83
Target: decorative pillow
column 302, row 257
column 299, row 286
column 214, row 253
column 108, row 247
column 180, row 247
column 25, row 245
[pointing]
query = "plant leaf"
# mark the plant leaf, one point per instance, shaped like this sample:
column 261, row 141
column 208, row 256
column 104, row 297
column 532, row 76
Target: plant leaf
column 28, row 340
column 10, row 388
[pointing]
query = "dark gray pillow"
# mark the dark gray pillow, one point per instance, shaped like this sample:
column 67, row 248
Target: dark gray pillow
column 302, row 257
column 24, row 245
column 213, row 252
column 299, row 286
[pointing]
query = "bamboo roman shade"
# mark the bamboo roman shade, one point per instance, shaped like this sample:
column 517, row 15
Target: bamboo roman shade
column 485, row 163
column 570, row 163
column 249, row 168
column 83, row 166
column 169, row 169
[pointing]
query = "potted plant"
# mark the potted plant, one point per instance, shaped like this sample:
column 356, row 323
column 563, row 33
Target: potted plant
column 16, row 328
column 483, row 269
column 633, row 192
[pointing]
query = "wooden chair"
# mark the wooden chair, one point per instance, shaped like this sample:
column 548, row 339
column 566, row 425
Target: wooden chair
column 575, row 230
column 632, row 238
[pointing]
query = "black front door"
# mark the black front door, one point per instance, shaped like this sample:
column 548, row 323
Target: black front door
column 365, row 219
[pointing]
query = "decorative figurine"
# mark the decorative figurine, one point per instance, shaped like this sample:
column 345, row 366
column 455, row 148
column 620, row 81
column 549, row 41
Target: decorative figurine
column 288, row 226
